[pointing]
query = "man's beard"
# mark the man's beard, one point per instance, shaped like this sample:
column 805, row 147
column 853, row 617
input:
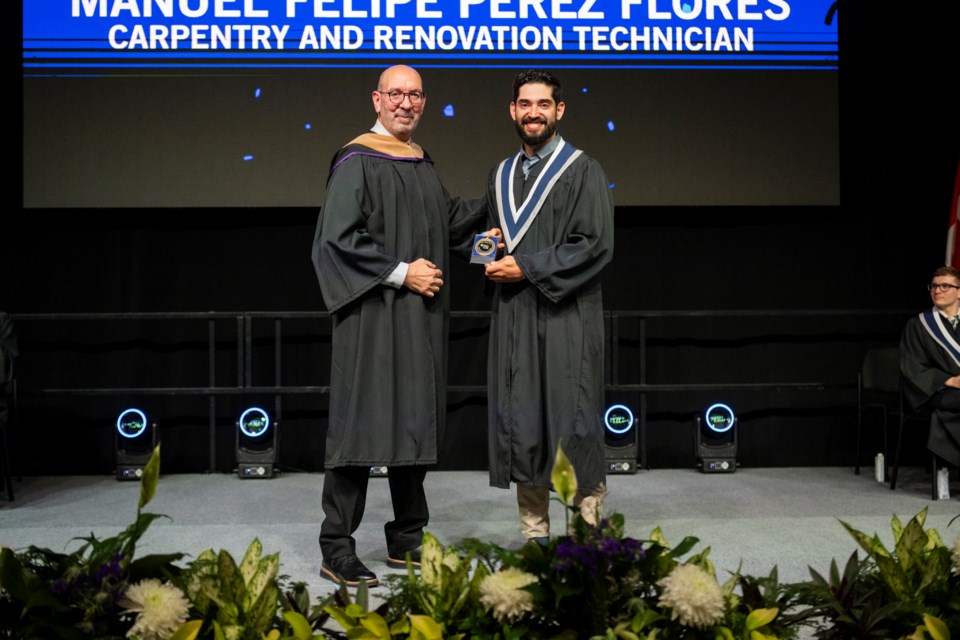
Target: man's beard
column 549, row 128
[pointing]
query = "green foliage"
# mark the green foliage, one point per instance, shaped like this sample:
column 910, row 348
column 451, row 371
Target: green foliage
column 765, row 607
column 563, row 477
column 74, row 595
column 851, row 604
column 918, row 563
column 148, row 481
column 356, row 619
column 596, row 582
column 906, row 592
column 444, row 591
column 188, row 630
column 241, row 601
column 446, row 585
column 297, row 606
column 594, row 579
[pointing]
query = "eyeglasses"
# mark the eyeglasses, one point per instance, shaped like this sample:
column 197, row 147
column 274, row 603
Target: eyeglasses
column 396, row 96
column 943, row 287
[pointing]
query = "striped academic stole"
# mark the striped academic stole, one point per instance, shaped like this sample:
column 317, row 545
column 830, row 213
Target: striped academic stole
column 514, row 222
column 932, row 321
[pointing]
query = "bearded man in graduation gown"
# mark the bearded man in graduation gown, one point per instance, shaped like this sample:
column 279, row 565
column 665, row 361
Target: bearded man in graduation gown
column 930, row 364
column 554, row 208
column 380, row 253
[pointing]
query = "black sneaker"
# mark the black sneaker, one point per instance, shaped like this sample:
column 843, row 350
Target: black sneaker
column 347, row 570
column 400, row 562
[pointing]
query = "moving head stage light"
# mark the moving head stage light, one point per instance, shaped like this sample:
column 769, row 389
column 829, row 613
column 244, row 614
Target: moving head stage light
column 715, row 439
column 258, row 440
column 620, row 439
column 134, row 441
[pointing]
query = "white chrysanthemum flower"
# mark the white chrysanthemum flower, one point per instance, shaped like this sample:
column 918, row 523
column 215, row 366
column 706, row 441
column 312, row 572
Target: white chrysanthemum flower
column 160, row 609
column 693, row 595
column 956, row 556
column 503, row 593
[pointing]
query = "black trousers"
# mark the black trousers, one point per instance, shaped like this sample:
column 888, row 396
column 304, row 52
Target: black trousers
column 345, row 497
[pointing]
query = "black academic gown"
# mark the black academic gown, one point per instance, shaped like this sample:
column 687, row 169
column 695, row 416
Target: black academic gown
column 389, row 345
column 8, row 348
column 925, row 366
column 545, row 365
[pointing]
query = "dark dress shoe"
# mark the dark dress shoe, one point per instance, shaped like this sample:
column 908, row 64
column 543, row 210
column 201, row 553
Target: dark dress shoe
column 399, row 561
column 347, row 570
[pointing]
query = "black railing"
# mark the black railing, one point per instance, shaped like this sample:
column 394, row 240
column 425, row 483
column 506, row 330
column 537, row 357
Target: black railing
column 246, row 366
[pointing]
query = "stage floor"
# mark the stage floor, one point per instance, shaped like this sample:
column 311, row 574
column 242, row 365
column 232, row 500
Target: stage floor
column 754, row 518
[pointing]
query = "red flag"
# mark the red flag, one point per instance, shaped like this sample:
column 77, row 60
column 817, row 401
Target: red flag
column 953, row 250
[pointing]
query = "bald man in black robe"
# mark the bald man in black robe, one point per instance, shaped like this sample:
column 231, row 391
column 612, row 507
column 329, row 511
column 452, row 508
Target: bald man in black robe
column 380, row 254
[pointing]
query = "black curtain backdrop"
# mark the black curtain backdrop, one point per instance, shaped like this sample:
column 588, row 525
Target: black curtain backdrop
column 899, row 153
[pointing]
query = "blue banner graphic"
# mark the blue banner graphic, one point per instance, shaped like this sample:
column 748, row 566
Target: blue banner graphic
column 91, row 36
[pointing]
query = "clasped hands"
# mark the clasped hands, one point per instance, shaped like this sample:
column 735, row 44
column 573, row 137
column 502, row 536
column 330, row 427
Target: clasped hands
column 423, row 277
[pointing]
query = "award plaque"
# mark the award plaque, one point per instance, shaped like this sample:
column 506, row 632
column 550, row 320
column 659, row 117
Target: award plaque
column 484, row 249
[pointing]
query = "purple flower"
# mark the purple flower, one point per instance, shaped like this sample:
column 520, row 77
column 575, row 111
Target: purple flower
column 633, row 549
column 596, row 552
column 571, row 555
column 611, row 548
column 59, row 586
column 110, row 570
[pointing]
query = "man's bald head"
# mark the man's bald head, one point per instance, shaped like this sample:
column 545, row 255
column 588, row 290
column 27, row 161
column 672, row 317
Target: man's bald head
column 399, row 119
column 390, row 74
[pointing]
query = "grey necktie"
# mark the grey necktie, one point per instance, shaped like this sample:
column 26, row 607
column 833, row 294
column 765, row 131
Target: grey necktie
column 528, row 164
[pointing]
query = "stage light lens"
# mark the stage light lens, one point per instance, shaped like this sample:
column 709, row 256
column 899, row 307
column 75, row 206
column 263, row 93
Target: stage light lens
column 618, row 419
column 131, row 423
column 719, row 418
column 254, row 422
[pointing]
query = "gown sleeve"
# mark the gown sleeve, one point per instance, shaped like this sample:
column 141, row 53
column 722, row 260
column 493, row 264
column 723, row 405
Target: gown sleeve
column 922, row 374
column 468, row 217
column 347, row 260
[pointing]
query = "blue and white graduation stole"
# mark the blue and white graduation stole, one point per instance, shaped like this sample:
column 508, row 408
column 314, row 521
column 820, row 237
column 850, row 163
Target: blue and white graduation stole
column 514, row 222
column 932, row 321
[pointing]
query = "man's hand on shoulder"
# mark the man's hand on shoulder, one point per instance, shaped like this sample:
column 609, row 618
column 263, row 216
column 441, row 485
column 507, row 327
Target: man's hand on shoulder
column 504, row 270
column 423, row 278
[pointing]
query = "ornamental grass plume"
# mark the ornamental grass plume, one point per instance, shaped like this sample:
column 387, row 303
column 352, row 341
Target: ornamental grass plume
column 160, row 609
column 503, row 593
column 693, row 595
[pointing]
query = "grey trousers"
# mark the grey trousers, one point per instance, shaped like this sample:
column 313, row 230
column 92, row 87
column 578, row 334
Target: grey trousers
column 534, row 504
